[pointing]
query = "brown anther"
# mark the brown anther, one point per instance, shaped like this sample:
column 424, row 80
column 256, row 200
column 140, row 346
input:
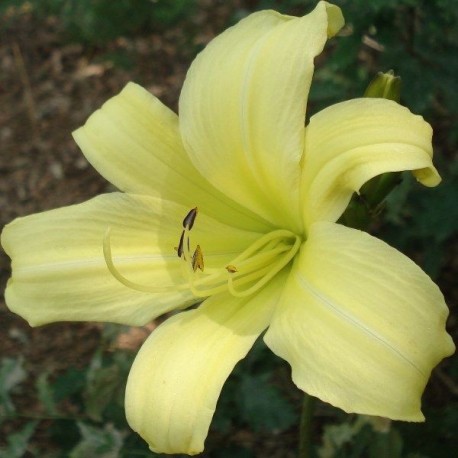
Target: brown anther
column 189, row 219
column 231, row 269
column 197, row 261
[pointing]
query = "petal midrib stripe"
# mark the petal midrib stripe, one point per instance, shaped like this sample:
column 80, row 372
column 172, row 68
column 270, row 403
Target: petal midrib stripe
column 352, row 320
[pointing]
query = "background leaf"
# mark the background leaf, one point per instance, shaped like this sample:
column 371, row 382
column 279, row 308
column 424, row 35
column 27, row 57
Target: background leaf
column 103, row 442
column 12, row 373
column 17, row 443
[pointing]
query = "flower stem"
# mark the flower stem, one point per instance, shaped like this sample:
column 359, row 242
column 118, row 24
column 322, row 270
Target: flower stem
column 305, row 427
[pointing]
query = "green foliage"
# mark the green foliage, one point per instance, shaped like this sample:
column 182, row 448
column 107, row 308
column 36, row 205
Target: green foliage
column 418, row 39
column 98, row 21
column 262, row 405
column 17, row 443
column 12, row 373
column 97, row 428
column 45, row 393
column 69, row 384
column 102, row 382
column 361, row 436
column 423, row 220
column 251, row 398
column 103, row 442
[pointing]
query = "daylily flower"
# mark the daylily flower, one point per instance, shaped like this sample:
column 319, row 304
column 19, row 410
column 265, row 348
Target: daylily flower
column 234, row 204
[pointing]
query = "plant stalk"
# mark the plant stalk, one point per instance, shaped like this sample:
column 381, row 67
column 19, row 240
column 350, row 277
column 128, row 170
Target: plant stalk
column 305, row 427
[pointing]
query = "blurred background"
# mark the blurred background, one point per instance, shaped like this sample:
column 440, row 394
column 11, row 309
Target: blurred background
column 62, row 385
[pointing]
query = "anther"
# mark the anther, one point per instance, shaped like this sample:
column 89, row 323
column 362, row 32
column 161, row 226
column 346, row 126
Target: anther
column 189, row 219
column 180, row 245
column 231, row 269
column 197, row 259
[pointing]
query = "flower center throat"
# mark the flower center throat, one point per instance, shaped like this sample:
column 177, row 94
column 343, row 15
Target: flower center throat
column 244, row 275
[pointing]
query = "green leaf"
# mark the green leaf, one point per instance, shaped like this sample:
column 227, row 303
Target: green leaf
column 361, row 435
column 336, row 436
column 386, row 445
column 18, row 442
column 98, row 442
column 45, row 393
column 262, row 405
column 101, row 390
column 12, row 373
column 68, row 384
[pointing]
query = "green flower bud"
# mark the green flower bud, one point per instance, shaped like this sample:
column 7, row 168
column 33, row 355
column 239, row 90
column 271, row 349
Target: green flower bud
column 385, row 86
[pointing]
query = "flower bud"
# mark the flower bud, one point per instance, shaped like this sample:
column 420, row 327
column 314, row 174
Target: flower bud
column 385, row 86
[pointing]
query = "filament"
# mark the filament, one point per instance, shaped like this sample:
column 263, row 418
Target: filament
column 259, row 263
column 245, row 274
column 125, row 281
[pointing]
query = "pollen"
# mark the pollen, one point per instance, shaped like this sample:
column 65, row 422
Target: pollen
column 197, row 259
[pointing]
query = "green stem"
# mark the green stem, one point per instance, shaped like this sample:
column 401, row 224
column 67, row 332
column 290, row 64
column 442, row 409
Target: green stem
column 305, row 427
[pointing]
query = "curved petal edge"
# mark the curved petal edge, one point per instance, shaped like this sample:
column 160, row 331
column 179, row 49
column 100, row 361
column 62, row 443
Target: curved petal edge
column 177, row 376
column 361, row 325
column 351, row 142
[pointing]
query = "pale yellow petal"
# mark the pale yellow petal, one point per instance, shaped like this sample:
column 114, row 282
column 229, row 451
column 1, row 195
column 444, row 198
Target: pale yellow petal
column 350, row 142
column 361, row 325
column 242, row 108
column 134, row 142
column 59, row 272
column 177, row 376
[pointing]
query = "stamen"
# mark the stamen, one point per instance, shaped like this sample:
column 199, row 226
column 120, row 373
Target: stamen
column 184, row 248
column 201, row 292
column 242, row 276
column 125, row 281
column 266, row 278
column 264, row 240
column 255, row 264
column 180, row 245
column 189, row 219
column 197, row 261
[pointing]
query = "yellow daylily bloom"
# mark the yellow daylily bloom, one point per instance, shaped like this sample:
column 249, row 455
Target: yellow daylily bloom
column 234, row 204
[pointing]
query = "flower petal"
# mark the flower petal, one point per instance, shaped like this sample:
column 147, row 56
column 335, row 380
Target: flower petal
column 134, row 142
column 178, row 374
column 349, row 143
column 60, row 273
column 361, row 325
column 242, row 108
